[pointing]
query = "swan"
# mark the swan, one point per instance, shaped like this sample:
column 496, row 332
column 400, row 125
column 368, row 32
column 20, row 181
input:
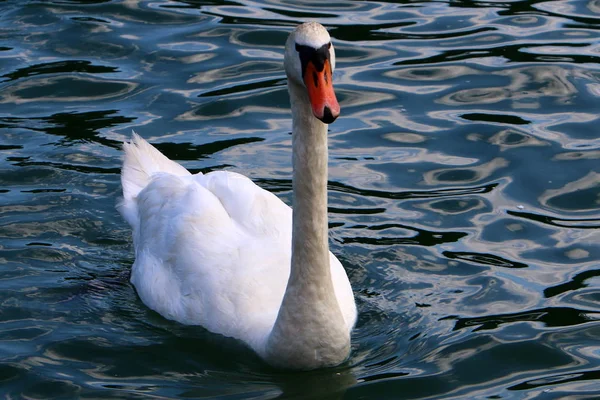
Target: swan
column 217, row 250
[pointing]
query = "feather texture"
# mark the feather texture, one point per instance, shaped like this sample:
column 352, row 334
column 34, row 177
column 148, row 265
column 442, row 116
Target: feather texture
column 211, row 249
column 219, row 251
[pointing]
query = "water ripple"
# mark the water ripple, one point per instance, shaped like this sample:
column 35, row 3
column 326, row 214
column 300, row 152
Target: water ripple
column 463, row 192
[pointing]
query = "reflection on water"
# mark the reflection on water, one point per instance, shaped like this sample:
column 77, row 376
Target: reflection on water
column 64, row 90
column 463, row 196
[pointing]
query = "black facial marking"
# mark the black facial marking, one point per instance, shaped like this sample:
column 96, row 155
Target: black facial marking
column 316, row 56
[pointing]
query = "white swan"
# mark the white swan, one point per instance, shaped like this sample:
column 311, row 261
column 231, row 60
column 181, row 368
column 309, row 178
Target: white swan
column 217, row 250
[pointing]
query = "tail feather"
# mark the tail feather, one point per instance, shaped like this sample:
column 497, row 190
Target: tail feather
column 142, row 160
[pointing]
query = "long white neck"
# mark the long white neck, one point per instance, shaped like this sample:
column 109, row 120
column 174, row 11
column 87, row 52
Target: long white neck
column 310, row 331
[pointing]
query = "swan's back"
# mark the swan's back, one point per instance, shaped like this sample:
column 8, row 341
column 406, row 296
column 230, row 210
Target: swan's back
column 211, row 249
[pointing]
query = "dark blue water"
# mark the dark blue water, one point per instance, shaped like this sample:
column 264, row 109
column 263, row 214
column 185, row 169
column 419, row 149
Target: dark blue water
column 464, row 191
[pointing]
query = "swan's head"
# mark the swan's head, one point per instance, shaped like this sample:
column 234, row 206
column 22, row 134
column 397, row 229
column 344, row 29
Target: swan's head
column 309, row 61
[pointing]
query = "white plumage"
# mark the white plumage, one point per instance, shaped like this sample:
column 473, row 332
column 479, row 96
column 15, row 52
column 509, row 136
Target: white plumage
column 211, row 249
column 215, row 250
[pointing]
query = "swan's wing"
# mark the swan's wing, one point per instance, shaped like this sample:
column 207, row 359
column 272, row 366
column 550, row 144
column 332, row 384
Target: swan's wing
column 259, row 211
column 343, row 291
column 212, row 250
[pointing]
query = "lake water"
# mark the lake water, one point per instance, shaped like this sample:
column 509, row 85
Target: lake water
column 464, row 191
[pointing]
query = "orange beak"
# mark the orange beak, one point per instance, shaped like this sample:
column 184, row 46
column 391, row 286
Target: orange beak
column 320, row 92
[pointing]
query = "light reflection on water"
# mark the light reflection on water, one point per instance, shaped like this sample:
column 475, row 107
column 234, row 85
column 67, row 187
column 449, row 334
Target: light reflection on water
column 463, row 191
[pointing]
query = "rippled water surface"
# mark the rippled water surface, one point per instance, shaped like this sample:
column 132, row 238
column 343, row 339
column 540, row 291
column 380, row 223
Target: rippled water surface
column 464, row 191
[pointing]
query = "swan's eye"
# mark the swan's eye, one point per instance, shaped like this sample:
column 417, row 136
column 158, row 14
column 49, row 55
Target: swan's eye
column 329, row 45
